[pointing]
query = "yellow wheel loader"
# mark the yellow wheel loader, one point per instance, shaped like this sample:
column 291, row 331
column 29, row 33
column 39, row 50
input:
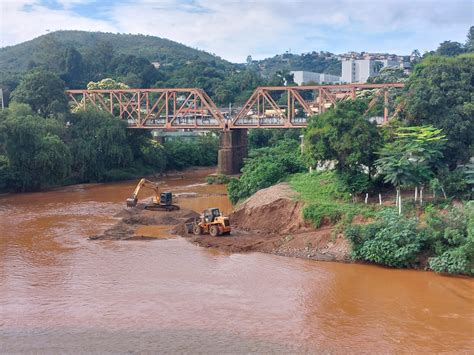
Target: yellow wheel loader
column 211, row 222
column 162, row 201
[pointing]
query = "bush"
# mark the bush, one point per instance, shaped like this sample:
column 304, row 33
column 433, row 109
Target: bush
column 218, row 179
column 318, row 212
column 450, row 239
column 452, row 262
column 392, row 240
column 266, row 167
column 455, row 183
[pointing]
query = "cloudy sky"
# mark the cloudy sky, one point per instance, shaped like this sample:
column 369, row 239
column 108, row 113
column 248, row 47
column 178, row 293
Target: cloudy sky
column 262, row 28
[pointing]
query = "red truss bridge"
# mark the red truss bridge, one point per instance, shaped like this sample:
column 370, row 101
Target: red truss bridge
column 268, row 107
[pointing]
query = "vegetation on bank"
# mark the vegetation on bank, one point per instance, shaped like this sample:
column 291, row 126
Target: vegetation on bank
column 424, row 157
column 266, row 167
column 42, row 144
column 441, row 240
column 330, row 202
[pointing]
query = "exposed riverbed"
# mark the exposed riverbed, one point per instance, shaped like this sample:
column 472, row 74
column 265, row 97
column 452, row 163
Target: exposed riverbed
column 61, row 292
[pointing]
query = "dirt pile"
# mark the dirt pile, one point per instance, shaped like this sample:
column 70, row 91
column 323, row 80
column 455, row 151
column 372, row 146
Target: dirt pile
column 271, row 221
column 131, row 219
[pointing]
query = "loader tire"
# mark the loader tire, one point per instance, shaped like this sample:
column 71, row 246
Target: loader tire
column 214, row 230
column 197, row 230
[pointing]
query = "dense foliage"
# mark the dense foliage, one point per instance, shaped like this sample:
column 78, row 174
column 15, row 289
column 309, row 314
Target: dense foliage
column 412, row 158
column 446, row 239
column 33, row 154
column 439, row 93
column 319, row 62
column 98, row 144
column 38, row 152
column 450, row 239
column 201, row 152
column 344, row 135
column 393, row 240
column 261, row 137
column 79, row 57
column 266, row 167
column 43, row 91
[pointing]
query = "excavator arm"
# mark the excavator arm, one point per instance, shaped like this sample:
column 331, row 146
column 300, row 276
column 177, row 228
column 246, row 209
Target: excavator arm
column 133, row 199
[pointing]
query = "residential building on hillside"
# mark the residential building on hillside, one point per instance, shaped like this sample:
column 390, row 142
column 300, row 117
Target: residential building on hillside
column 359, row 70
column 301, row 77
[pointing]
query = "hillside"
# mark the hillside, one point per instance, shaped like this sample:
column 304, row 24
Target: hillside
column 79, row 57
column 319, row 62
column 18, row 58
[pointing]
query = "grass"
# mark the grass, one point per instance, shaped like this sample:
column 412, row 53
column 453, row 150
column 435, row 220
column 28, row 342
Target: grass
column 325, row 199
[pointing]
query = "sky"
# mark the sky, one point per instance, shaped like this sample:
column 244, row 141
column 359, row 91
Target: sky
column 261, row 28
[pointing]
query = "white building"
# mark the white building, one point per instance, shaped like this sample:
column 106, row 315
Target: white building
column 359, row 70
column 300, row 77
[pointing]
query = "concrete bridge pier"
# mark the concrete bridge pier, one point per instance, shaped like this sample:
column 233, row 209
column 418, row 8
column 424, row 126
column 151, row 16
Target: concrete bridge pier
column 232, row 151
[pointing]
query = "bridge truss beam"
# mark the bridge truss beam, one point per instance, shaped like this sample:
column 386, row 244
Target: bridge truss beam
column 153, row 108
column 290, row 106
column 268, row 107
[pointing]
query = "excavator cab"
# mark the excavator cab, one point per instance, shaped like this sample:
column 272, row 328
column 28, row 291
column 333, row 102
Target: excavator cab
column 166, row 198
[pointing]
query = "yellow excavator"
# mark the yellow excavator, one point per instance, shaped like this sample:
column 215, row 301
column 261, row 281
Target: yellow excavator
column 160, row 202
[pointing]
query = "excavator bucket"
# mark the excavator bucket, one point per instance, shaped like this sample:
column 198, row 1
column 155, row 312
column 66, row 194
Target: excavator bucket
column 132, row 202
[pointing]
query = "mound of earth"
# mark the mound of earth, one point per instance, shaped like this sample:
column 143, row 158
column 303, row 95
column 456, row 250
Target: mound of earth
column 271, row 221
column 132, row 218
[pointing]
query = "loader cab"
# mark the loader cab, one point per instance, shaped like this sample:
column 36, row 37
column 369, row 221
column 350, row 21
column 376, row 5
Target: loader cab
column 166, row 198
column 210, row 214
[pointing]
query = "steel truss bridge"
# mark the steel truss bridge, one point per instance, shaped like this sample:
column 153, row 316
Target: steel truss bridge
column 268, row 107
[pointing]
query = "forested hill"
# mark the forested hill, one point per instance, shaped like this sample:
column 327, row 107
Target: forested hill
column 319, row 62
column 23, row 56
column 79, row 57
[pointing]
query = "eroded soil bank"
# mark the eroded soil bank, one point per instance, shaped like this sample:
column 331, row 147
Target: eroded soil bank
column 270, row 221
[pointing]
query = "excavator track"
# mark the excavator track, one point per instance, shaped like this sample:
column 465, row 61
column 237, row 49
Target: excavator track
column 162, row 208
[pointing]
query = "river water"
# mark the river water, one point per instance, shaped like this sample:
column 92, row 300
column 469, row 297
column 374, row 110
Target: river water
column 60, row 292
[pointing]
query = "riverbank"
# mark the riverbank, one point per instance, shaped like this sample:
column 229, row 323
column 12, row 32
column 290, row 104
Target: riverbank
column 298, row 220
column 270, row 222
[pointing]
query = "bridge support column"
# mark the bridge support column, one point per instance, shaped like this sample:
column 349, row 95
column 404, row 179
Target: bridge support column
column 232, row 151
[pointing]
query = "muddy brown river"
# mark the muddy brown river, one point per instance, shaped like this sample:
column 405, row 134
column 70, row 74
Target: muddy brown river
column 60, row 292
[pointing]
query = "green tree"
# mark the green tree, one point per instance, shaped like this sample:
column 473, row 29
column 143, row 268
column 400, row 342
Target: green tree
column 450, row 49
column 390, row 74
column 98, row 145
column 470, row 40
column 106, row 84
column 439, row 93
column 43, row 91
column 415, row 54
column 36, row 154
column 343, row 135
column 410, row 159
column 74, row 68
